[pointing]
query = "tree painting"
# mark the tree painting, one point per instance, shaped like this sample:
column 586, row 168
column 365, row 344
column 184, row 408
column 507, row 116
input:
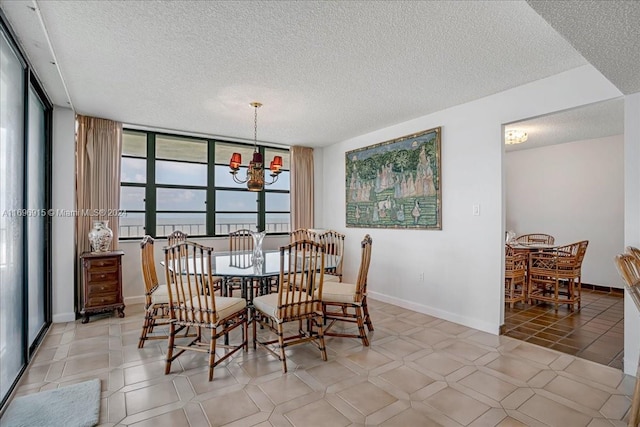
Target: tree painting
column 395, row 184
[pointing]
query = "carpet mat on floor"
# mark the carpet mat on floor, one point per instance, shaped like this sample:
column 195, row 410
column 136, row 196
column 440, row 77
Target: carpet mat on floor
column 76, row 405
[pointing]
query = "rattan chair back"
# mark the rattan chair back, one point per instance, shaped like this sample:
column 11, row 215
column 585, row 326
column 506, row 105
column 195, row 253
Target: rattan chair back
column 176, row 236
column 240, row 241
column 301, row 234
column 333, row 243
column 629, row 269
column 148, row 266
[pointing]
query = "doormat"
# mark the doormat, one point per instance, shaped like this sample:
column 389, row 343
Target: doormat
column 76, row 405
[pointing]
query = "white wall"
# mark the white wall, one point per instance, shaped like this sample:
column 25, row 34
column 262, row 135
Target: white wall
column 463, row 263
column 632, row 222
column 63, row 228
column 573, row 191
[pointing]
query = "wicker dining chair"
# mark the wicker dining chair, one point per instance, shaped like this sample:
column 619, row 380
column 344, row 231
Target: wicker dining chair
column 333, row 243
column 240, row 243
column 176, row 236
column 179, row 236
column 632, row 250
column 297, row 300
column 515, row 273
column 346, row 302
column 156, row 295
column 546, row 239
column 301, row 234
column 552, row 270
column 628, row 265
column 193, row 303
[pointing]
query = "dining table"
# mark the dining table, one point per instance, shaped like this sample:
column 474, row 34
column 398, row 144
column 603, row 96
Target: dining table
column 250, row 267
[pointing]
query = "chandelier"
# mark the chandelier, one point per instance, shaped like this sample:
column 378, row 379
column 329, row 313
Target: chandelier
column 255, row 171
column 515, row 136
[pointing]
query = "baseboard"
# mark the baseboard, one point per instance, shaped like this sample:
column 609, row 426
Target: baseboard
column 63, row 317
column 607, row 289
column 134, row 300
column 441, row 314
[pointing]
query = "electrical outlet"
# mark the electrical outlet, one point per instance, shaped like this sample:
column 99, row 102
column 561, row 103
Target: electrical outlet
column 421, row 277
column 476, row 210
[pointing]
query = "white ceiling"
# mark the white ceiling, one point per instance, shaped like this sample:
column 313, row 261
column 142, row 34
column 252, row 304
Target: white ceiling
column 578, row 124
column 325, row 71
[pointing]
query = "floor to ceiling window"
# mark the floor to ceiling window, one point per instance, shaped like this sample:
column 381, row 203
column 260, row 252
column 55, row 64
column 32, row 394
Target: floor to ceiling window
column 25, row 116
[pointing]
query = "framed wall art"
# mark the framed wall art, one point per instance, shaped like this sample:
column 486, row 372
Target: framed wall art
column 396, row 183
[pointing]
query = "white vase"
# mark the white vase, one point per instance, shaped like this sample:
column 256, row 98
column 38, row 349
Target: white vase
column 100, row 237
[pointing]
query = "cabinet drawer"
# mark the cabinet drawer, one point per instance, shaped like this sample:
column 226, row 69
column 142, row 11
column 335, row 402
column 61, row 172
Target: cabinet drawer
column 102, row 276
column 99, row 300
column 94, row 289
column 102, row 263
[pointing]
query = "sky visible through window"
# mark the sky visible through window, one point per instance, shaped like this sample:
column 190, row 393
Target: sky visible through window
column 232, row 207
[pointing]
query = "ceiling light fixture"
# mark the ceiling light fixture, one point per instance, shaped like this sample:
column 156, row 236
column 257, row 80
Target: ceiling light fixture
column 515, row 136
column 255, row 171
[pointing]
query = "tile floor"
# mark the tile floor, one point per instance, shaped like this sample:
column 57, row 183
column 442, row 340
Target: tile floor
column 595, row 332
column 419, row 371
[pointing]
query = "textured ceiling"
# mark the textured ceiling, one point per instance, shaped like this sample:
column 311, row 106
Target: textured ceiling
column 578, row 124
column 606, row 33
column 325, row 71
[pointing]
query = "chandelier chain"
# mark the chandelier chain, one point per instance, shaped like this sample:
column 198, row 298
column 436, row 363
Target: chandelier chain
column 255, row 127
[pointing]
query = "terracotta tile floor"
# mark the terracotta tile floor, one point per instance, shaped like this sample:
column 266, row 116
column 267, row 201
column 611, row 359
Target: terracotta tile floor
column 595, row 332
column 418, row 371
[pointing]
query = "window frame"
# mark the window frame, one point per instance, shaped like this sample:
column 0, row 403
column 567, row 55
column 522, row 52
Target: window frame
column 151, row 186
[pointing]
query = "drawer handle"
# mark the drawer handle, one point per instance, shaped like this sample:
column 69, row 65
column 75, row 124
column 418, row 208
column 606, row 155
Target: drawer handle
column 102, row 276
column 102, row 288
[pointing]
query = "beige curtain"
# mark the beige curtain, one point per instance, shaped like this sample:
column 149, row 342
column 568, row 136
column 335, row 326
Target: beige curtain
column 301, row 187
column 98, row 151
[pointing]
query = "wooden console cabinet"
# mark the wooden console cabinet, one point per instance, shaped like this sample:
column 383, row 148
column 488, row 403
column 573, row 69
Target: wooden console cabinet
column 102, row 283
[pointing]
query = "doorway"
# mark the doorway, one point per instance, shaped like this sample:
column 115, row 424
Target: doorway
column 567, row 180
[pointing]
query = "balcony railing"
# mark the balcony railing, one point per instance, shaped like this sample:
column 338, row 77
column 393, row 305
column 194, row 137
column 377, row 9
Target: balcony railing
column 199, row 229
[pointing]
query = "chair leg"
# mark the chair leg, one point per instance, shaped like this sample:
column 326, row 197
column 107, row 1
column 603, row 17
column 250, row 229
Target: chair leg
column 212, row 353
column 145, row 329
column 254, row 329
column 245, row 332
column 172, row 334
column 323, row 348
column 367, row 318
column 283, row 357
column 360, row 320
